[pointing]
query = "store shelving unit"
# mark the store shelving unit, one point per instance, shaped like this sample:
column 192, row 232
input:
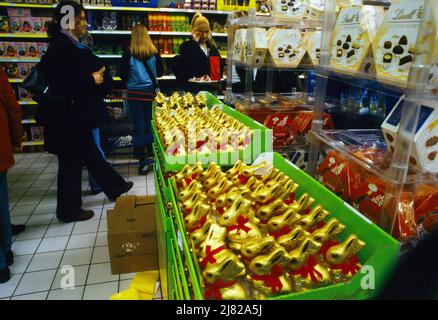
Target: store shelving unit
column 395, row 175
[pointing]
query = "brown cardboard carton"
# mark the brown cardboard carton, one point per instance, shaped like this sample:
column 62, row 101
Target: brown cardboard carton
column 132, row 235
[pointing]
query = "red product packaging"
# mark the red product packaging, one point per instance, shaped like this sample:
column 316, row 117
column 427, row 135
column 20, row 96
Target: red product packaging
column 215, row 69
column 26, row 25
column 11, row 50
column 426, row 206
column 32, row 50
column 404, row 225
column 281, row 125
column 339, row 175
column 369, row 198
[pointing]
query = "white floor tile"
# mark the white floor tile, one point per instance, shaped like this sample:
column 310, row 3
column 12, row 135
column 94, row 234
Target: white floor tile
column 101, row 272
column 78, row 273
column 8, row 288
column 53, row 244
column 101, row 291
column 19, row 219
column 36, row 232
column 24, row 247
column 127, row 276
column 35, row 192
column 102, row 239
column 40, row 219
column 28, row 177
column 103, row 227
column 77, row 257
column 23, row 210
column 88, row 226
column 45, row 261
column 59, row 229
column 82, row 241
column 100, row 255
column 35, row 282
column 92, row 203
column 49, row 199
column 16, row 193
column 66, row 294
column 124, row 285
column 32, row 296
column 45, row 208
column 20, row 263
column 21, row 184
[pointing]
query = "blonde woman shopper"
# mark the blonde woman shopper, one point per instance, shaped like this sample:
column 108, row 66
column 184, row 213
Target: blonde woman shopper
column 140, row 67
column 196, row 55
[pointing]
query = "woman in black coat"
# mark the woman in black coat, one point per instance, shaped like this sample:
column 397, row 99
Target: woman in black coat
column 80, row 84
column 195, row 56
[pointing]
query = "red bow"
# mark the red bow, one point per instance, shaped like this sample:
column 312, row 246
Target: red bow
column 241, row 221
column 214, row 289
column 319, row 225
column 263, row 221
column 179, row 185
column 351, row 266
column 187, row 211
column 199, row 225
column 209, row 258
column 220, row 210
column 200, row 144
column 187, row 181
column 284, row 230
column 269, row 201
column 194, row 176
column 242, row 179
column 272, row 280
column 309, row 270
column 326, row 246
column 291, row 198
column 213, row 200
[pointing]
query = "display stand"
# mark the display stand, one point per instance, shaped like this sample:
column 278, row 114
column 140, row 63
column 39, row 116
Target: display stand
column 397, row 180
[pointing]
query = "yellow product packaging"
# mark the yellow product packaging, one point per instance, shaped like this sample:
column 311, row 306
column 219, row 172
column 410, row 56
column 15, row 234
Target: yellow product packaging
column 144, row 282
column 398, row 43
column 130, row 294
column 352, row 37
column 313, row 46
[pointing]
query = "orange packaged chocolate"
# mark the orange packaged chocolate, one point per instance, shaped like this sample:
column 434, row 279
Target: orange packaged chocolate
column 369, row 197
column 426, row 206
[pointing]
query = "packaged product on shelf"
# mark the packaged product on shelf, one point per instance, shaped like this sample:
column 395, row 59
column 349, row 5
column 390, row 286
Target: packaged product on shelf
column 16, row 24
column 11, row 50
column 299, row 158
column 4, row 24
column 352, row 37
column 311, row 9
column 19, row 12
column 239, row 44
column 11, row 70
column 426, row 206
column 32, row 50
column 424, row 153
column 42, row 48
column 24, row 95
column 3, row 48
column 26, row 24
column 24, row 69
column 37, row 24
column 37, row 133
column 256, row 46
column 396, row 40
column 45, row 23
column 286, row 47
column 313, row 45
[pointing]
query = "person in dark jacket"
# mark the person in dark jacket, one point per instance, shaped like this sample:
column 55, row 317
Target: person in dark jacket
column 140, row 68
column 79, row 87
column 195, row 54
column 11, row 136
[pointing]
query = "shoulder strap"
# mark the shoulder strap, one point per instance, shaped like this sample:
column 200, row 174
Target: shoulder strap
column 151, row 74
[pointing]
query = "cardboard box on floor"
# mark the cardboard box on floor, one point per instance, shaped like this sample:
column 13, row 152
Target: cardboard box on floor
column 132, row 235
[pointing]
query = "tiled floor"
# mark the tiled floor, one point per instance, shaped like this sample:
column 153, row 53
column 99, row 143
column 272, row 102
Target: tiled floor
column 47, row 244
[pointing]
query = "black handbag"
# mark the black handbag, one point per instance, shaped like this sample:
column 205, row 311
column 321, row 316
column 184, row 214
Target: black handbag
column 37, row 84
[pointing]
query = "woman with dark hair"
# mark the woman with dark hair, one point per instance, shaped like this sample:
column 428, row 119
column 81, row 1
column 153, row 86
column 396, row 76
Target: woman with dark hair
column 80, row 86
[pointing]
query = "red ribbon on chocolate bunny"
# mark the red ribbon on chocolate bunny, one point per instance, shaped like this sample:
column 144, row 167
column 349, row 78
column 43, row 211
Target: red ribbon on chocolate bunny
column 200, row 224
column 309, row 270
column 351, row 266
column 241, row 221
column 209, row 258
column 214, row 289
column 271, row 280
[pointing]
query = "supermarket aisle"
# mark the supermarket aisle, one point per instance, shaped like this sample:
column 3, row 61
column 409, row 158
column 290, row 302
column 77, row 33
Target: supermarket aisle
column 47, row 244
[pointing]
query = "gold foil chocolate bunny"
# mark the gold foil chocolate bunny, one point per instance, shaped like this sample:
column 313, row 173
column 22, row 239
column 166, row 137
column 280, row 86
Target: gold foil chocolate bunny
column 293, row 239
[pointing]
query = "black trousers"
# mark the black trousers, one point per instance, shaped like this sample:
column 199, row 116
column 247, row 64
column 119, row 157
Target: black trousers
column 70, row 176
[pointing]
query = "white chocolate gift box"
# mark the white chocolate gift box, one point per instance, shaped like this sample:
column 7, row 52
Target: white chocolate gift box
column 311, row 9
column 395, row 45
column 287, row 47
column 313, row 45
column 352, row 37
column 256, row 46
column 424, row 152
column 239, row 44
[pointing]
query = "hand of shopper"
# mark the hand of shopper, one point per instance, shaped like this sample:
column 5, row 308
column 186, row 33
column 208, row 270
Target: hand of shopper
column 98, row 77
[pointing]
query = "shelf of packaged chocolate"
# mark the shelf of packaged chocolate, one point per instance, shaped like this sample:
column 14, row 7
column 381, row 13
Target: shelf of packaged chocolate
column 188, row 129
column 288, row 116
column 268, row 44
column 355, row 165
column 152, row 33
column 379, row 48
column 269, row 231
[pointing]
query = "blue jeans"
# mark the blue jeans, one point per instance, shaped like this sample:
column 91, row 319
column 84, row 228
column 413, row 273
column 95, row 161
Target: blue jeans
column 141, row 116
column 5, row 221
column 94, row 186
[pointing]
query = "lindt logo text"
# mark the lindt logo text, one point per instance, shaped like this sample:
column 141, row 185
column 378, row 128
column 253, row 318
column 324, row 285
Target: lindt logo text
column 402, row 14
column 351, row 19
